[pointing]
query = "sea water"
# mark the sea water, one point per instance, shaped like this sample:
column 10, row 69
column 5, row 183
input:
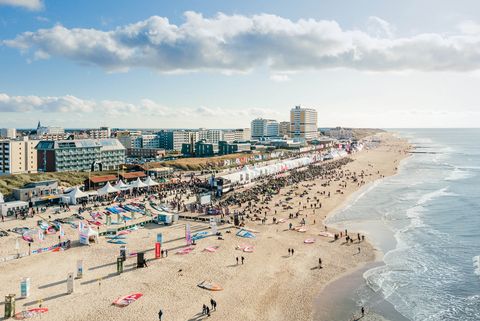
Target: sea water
column 426, row 219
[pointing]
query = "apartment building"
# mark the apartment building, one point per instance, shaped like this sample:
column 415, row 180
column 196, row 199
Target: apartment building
column 303, row 123
column 8, row 133
column 80, row 155
column 264, row 129
column 18, row 156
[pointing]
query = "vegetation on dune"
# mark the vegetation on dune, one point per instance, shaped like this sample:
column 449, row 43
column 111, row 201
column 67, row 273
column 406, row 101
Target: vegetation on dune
column 9, row 182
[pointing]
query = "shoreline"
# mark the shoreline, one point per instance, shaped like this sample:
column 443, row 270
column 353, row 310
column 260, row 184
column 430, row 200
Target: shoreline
column 353, row 280
column 270, row 286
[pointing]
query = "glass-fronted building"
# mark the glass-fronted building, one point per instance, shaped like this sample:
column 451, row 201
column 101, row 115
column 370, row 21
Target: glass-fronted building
column 80, row 155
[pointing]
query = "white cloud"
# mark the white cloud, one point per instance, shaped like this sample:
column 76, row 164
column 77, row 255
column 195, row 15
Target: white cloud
column 145, row 111
column 238, row 43
column 27, row 4
column 279, row 77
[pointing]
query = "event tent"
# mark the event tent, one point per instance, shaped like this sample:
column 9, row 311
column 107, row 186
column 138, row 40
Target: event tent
column 138, row 184
column 107, row 189
column 150, row 182
column 247, row 174
column 87, row 235
column 76, row 194
column 121, row 186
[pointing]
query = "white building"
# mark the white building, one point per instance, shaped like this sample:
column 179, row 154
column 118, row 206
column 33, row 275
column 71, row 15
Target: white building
column 210, row 135
column 8, row 133
column 100, row 133
column 303, row 123
column 181, row 137
column 264, row 128
column 18, row 156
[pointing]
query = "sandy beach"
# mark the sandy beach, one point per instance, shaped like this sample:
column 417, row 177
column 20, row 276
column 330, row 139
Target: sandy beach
column 270, row 285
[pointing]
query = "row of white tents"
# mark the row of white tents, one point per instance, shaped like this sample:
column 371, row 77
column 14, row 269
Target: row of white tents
column 249, row 173
column 75, row 194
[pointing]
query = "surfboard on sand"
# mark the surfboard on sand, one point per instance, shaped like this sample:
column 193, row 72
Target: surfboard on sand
column 125, row 300
column 30, row 313
column 211, row 286
column 309, row 241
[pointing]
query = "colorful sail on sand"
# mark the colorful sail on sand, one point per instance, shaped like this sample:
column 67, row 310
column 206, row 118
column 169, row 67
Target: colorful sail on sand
column 245, row 233
column 30, row 313
column 211, row 249
column 211, row 286
column 127, row 299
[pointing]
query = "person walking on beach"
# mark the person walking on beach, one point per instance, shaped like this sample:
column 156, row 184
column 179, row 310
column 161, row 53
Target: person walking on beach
column 292, row 251
column 359, row 250
column 363, row 312
column 289, row 252
column 204, row 309
column 237, row 259
column 242, row 259
column 319, row 262
column 160, row 313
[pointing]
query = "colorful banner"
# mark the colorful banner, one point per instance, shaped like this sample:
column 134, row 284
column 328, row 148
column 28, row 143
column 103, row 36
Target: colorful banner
column 79, row 269
column 25, row 288
column 188, row 234
column 157, row 250
column 70, row 283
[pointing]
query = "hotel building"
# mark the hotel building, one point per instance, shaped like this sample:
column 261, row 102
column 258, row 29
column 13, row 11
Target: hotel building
column 303, row 123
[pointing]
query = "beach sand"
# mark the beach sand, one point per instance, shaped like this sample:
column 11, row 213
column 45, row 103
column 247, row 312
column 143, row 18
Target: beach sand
column 270, row 285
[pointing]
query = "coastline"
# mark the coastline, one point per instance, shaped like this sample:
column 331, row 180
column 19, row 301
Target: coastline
column 339, row 290
column 271, row 285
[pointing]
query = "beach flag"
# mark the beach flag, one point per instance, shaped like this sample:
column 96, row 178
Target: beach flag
column 62, row 232
column 188, row 234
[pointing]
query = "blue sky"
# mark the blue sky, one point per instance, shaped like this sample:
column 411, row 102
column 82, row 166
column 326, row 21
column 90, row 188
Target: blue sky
column 222, row 63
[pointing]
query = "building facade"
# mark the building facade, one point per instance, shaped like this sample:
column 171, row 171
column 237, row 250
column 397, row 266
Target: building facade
column 18, row 156
column 303, row 123
column 146, row 152
column 100, row 133
column 284, row 129
column 10, row 133
column 264, row 129
column 80, row 155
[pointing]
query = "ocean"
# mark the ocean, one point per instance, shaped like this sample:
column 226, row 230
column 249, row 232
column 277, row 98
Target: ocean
column 426, row 220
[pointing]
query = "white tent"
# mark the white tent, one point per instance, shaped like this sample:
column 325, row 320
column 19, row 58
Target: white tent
column 138, row 184
column 150, row 182
column 121, row 185
column 107, row 189
column 76, row 194
column 87, row 235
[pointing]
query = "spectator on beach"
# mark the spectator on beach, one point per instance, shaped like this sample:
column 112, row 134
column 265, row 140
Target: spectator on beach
column 160, row 313
column 243, row 259
column 319, row 263
column 237, row 259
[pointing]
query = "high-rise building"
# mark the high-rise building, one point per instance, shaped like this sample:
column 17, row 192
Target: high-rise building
column 8, row 133
column 303, row 123
column 284, row 129
column 18, row 156
column 264, row 128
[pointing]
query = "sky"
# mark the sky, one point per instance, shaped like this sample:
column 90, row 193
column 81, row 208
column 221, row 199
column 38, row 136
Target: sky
column 222, row 63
